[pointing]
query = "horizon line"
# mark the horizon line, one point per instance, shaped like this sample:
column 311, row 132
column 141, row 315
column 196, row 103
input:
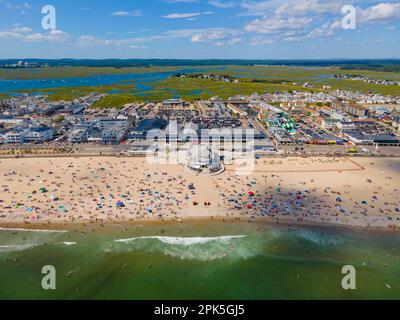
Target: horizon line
column 212, row 59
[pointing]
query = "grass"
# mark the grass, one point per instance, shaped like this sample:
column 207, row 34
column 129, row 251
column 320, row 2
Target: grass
column 115, row 100
column 295, row 74
column 4, row 96
column 190, row 89
column 195, row 88
column 70, row 93
column 353, row 85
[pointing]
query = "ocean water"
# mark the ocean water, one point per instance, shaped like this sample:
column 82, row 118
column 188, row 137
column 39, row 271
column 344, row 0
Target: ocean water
column 202, row 260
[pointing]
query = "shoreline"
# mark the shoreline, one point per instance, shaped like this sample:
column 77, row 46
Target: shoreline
column 59, row 226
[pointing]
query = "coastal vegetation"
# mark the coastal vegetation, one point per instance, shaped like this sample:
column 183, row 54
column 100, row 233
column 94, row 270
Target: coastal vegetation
column 289, row 73
column 70, row 93
column 251, row 79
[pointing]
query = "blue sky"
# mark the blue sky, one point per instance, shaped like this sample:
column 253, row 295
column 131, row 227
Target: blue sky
column 200, row 29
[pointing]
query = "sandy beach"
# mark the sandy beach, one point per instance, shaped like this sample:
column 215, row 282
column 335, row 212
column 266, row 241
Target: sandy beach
column 359, row 192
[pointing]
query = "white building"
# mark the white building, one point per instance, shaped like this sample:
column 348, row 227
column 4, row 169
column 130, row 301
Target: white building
column 39, row 135
column 203, row 161
column 15, row 136
column 345, row 125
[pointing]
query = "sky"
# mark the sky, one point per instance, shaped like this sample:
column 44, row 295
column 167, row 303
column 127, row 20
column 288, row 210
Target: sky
column 201, row 29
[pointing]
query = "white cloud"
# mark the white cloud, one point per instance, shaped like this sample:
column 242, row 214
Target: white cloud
column 180, row 1
column 135, row 13
column 186, row 15
column 222, row 4
column 52, row 36
column 277, row 24
column 216, row 36
column 20, row 29
column 26, row 34
column 291, row 7
column 258, row 41
column 326, row 30
column 9, row 34
column 134, row 46
column 380, row 12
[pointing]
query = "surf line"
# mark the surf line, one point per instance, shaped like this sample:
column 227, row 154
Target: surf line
column 32, row 230
column 184, row 241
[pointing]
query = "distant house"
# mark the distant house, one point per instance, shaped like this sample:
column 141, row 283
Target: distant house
column 52, row 110
column 173, row 103
column 340, row 115
column 72, row 110
column 329, row 123
column 10, row 121
column 353, row 109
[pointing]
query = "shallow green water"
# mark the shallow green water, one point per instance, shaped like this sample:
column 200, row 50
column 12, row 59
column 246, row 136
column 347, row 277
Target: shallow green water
column 200, row 261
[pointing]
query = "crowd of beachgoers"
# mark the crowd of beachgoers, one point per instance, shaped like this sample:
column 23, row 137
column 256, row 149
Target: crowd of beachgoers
column 339, row 191
column 364, row 196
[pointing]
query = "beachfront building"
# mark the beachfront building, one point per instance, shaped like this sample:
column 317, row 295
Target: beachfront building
column 106, row 123
column 79, row 133
column 3, row 138
column 148, row 125
column 112, row 135
column 39, row 135
column 15, row 136
column 369, row 139
column 201, row 160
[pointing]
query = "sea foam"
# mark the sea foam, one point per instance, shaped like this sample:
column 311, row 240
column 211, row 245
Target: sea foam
column 15, row 247
column 191, row 248
column 185, row 241
column 68, row 243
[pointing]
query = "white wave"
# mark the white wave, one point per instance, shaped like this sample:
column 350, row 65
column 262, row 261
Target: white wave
column 69, row 243
column 191, row 248
column 15, row 247
column 184, row 241
column 33, row 230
